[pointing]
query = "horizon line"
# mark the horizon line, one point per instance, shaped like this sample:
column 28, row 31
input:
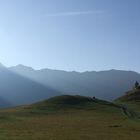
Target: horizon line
column 112, row 69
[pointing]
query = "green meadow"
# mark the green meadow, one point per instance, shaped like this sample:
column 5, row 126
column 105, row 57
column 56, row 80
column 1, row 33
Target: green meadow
column 68, row 118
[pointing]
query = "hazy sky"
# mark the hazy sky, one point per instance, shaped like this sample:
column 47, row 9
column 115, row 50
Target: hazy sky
column 71, row 34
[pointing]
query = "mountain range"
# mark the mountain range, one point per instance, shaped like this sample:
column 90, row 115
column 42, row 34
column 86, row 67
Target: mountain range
column 24, row 85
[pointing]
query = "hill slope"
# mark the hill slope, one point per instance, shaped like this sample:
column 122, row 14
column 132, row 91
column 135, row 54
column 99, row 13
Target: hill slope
column 68, row 117
column 131, row 100
column 17, row 90
column 132, row 95
column 69, row 102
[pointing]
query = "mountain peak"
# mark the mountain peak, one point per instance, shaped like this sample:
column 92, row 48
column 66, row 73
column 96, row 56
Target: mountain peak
column 21, row 67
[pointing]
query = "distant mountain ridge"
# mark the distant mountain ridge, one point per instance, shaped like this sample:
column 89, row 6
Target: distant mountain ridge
column 23, row 85
column 106, row 85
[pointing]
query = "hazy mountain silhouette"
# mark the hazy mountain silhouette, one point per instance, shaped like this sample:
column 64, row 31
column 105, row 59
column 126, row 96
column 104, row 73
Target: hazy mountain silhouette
column 106, row 85
column 17, row 90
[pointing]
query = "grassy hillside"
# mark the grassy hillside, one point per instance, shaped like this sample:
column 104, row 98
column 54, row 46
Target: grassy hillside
column 68, row 102
column 68, row 118
column 131, row 100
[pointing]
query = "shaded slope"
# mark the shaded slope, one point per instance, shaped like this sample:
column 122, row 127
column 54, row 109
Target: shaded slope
column 64, row 102
column 17, row 90
column 5, row 103
column 68, row 103
column 132, row 95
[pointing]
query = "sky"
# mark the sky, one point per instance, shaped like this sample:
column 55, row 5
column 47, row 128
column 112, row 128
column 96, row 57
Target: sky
column 79, row 35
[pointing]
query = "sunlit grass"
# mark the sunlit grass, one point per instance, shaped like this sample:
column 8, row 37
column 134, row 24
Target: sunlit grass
column 97, row 122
